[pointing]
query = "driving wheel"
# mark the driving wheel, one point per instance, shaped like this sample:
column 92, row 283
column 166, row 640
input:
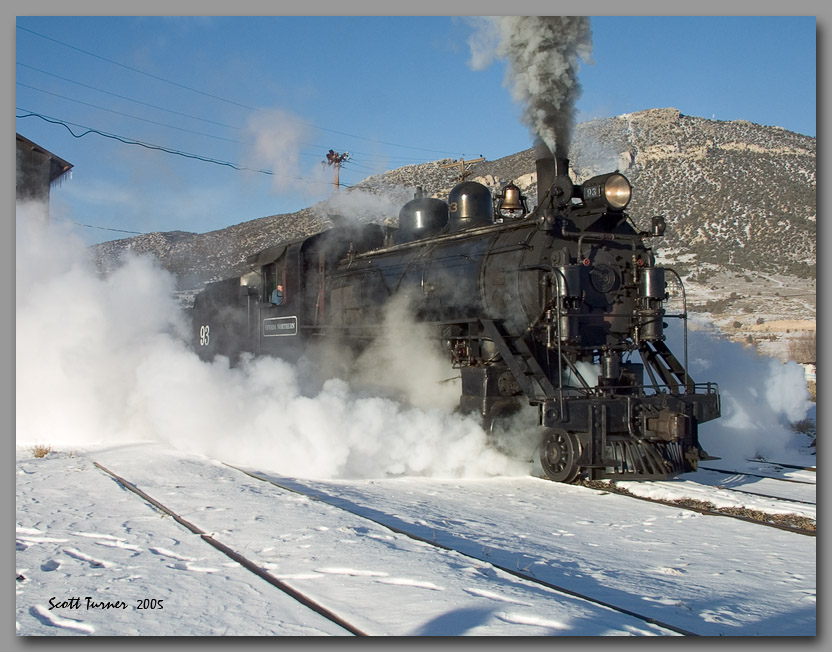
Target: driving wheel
column 559, row 452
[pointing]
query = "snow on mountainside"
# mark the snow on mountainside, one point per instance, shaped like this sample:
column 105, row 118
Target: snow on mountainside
column 739, row 199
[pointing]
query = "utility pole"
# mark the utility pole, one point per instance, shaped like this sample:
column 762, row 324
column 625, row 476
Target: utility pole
column 335, row 159
column 461, row 163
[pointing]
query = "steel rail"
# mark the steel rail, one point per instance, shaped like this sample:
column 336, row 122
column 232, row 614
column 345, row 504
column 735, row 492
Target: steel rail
column 705, row 511
column 505, row 569
column 237, row 557
column 753, row 475
column 813, row 469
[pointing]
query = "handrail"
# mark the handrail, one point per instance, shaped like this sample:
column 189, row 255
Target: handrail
column 684, row 317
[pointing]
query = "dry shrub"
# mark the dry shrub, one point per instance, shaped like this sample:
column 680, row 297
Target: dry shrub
column 803, row 349
column 41, row 450
column 804, row 427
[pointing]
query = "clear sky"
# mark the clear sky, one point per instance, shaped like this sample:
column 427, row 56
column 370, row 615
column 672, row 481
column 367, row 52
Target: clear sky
column 272, row 95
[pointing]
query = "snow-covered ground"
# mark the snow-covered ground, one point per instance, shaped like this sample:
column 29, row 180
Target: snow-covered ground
column 103, row 375
column 83, row 540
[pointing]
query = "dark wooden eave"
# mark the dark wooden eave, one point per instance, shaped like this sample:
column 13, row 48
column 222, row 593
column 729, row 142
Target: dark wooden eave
column 57, row 166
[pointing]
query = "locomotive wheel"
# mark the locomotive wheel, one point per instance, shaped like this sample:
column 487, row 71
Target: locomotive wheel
column 559, row 452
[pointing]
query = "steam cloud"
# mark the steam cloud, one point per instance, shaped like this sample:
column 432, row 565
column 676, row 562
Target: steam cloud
column 104, row 360
column 544, row 54
column 760, row 397
column 276, row 139
column 361, row 207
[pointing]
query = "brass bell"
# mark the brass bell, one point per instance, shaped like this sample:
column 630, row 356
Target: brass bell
column 511, row 199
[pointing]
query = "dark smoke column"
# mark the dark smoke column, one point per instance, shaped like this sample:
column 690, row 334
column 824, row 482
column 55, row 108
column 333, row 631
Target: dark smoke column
column 544, row 55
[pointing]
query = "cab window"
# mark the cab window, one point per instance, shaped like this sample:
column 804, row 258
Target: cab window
column 274, row 282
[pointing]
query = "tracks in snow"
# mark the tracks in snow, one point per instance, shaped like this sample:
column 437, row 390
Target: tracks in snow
column 787, row 522
column 796, row 492
column 812, row 469
column 236, row 556
column 363, row 538
column 348, row 621
column 769, row 476
column 515, row 573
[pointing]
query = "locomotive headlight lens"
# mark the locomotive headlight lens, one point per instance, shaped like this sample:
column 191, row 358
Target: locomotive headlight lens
column 607, row 191
column 617, row 191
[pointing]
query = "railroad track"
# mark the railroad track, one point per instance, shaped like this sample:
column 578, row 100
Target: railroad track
column 330, row 615
column 343, row 620
column 769, row 496
column 753, row 475
column 516, row 573
column 237, row 557
column 813, row 469
column 799, row 493
column 786, row 522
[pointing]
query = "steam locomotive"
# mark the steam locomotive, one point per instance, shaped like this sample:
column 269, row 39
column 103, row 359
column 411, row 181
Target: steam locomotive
column 523, row 304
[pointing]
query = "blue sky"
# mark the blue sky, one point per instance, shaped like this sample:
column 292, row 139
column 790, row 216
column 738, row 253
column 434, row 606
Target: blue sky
column 255, row 92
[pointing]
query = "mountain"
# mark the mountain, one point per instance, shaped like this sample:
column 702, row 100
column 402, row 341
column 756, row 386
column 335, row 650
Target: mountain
column 739, row 199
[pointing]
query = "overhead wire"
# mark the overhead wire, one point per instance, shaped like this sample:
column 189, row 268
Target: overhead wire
column 222, row 99
column 129, row 141
column 122, row 97
column 155, row 122
column 121, row 113
column 161, row 108
column 136, row 142
column 134, row 117
column 136, row 70
column 93, row 226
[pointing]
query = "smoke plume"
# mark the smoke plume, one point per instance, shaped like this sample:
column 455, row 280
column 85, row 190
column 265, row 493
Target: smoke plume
column 544, row 54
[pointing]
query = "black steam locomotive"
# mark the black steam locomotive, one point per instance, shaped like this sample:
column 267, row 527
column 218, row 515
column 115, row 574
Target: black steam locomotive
column 522, row 302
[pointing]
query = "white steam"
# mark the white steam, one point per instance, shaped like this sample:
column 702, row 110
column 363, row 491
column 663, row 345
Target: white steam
column 760, row 397
column 277, row 138
column 103, row 360
column 544, row 55
column 406, row 363
column 362, row 207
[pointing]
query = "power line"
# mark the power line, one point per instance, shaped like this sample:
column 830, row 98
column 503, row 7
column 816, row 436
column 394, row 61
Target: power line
column 161, row 108
column 93, row 226
column 154, row 122
column 136, row 70
column 351, row 164
column 125, row 115
column 222, row 99
column 128, row 141
column 122, row 97
column 167, row 150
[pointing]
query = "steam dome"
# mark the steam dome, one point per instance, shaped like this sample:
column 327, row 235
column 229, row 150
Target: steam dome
column 469, row 204
column 421, row 218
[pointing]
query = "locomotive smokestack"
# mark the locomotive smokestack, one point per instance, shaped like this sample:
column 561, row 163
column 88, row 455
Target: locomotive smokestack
column 546, row 170
column 561, row 165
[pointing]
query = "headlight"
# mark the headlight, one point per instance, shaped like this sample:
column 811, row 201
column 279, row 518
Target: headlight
column 607, row 191
column 618, row 191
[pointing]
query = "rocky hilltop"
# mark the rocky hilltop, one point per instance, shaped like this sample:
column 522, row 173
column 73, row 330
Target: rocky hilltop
column 739, row 199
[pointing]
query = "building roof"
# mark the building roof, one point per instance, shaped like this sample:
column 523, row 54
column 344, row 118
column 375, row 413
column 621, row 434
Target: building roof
column 57, row 166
